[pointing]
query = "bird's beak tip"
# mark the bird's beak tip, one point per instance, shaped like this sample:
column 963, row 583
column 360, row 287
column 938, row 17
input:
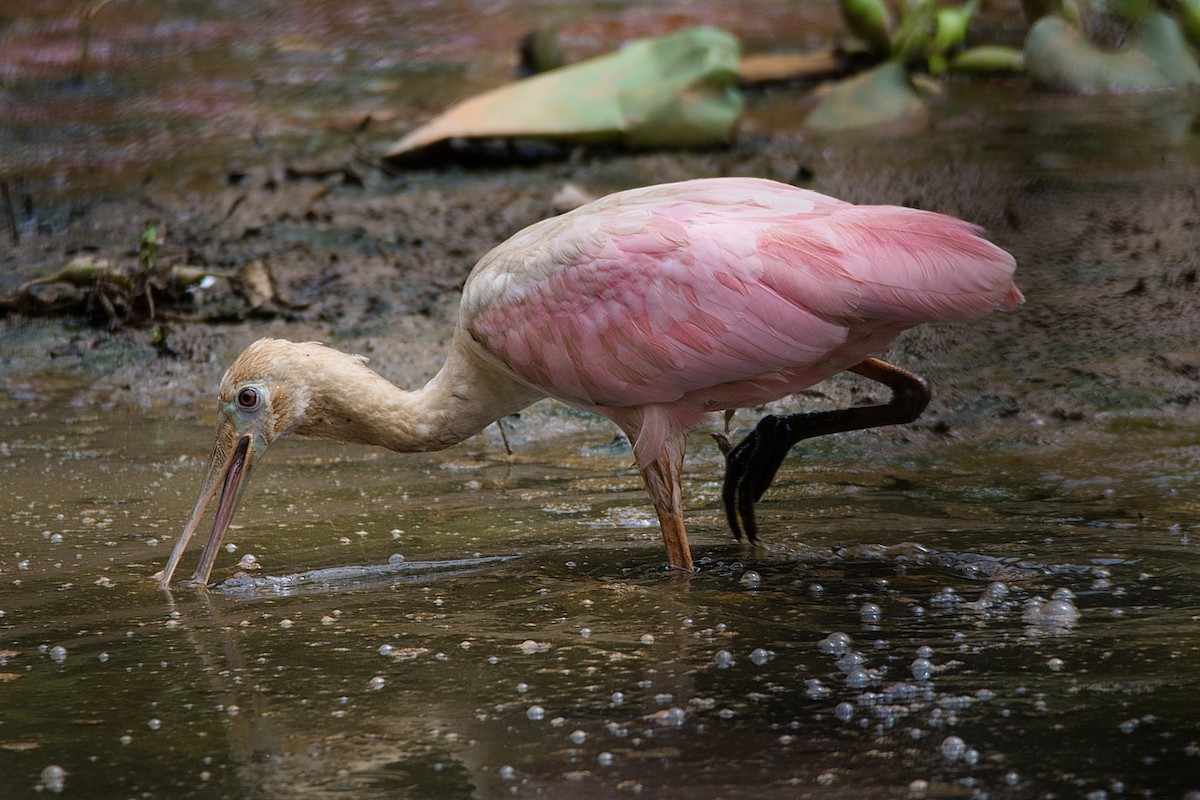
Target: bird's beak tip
column 228, row 472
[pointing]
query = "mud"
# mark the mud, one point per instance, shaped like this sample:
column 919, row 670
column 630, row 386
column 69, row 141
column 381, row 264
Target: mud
column 1096, row 197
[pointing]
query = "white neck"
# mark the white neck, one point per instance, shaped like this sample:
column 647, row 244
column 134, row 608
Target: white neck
column 357, row 405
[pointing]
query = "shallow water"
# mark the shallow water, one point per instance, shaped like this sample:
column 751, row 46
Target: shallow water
column 530, row 642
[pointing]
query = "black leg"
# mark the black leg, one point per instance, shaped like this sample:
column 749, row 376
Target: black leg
column 751, row 466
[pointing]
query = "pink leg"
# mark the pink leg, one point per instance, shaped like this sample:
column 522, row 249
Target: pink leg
column 662, row 479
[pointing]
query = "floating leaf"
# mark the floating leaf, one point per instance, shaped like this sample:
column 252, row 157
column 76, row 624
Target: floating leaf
column 880, row 96
column 989, row 58
column 675, row 90
column 1059, row 56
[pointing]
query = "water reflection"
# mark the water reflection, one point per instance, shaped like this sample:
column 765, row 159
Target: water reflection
column 1055, row 654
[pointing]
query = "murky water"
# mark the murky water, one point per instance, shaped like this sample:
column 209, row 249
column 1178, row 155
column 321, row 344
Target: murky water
column 1015, row 625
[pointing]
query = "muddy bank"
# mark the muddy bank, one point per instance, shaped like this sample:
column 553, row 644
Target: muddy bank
column 1096, row 198
column 375, row 267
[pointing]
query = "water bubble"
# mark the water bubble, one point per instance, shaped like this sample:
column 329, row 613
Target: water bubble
column 662, row 698
column 535, row 713
column 395, row 560
column 675, row 716
column 1055, row 664
column 376, row 683
column 918, row 788
column 605, row 759
column 507, row 773
column 386, row 649
column 858, row 679
column 945, row 598
column 723, row 659
column 126, row 739
column 1012, row 778
column 585, row 632
column 750, row 579
column 647, row 638
column 844, row 711
column 870, row 612
column 921, row 669
column 1058, row 613
column 522, row 687
column 815, row 689
column 816, row 589
column 971, row 757
column 995, row 592
column 851, row 661
column 760, row 655
column 578, row 736
column 617, row 698
column 286, row 623
column 58, row 653
column 231, row 548
column 834, row 644
column 103, row 657
column 154, row 724
column 54, row 778
column 924, row 651
column 952, row 748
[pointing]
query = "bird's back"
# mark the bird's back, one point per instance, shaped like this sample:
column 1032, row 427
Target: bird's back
column 720, row 292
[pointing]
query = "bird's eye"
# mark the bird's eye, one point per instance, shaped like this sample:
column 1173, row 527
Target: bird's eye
column 249, row 399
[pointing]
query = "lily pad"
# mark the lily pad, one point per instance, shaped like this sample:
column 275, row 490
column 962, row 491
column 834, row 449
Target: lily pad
column 676, row 90
column 1156, row 58
column 883, row 96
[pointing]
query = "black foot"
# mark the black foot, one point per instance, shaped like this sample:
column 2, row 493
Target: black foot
column 749, row 469
column 751, row 466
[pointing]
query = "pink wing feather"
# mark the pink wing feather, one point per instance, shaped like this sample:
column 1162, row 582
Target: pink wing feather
column 719, row 293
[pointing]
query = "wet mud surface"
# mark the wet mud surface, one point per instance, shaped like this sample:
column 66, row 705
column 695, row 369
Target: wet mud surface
column 1033, row 531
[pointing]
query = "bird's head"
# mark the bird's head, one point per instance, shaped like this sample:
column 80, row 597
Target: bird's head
column 260, row 400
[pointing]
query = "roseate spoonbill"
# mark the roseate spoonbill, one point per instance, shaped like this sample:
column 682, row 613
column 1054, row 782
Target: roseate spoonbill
column 652, row 307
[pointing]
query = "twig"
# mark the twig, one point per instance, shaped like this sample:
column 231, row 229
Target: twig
column 8, row 208
column 85, row 34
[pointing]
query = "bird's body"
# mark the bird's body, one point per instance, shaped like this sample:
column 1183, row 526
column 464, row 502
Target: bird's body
column 652, row 307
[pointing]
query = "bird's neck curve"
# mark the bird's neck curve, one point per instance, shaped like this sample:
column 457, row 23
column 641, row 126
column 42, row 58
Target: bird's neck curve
column 465, row 396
